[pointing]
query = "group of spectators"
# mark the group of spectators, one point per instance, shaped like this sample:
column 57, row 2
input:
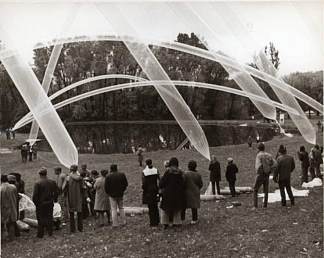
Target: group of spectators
column 28, row 152
column 84, row 193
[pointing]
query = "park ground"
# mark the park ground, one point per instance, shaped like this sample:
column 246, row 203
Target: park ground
column 221, row 232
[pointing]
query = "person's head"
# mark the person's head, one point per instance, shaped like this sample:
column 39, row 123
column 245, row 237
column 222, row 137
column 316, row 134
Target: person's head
column 84, row 166
column 229, row 160
column 73, row 168
column 173, row 162
column 213, row 158
column 12, row 179
column 148, row 162
column 42, row 172
column 83, row 174
column 261, row 146
column 4, row 178
column 104, row 172
column 192, row 165
column 302, row 148
column 17, row 175
column 282, row 149
column 57, row 170
column 94, row 173
column 317, row 147
column 166, row 164
column 113, row 168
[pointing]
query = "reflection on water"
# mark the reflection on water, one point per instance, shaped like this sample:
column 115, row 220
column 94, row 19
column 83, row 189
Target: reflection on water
column 125, row 138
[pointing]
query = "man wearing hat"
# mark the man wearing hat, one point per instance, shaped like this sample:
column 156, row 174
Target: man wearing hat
column 44, row 195
column 264, row 165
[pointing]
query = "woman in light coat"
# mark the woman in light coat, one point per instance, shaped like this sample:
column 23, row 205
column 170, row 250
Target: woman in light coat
column 102, row 204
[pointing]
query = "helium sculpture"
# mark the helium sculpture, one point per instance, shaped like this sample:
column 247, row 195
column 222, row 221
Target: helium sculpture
column 125, row 26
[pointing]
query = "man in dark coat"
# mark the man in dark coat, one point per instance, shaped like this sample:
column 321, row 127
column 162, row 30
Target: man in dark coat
column 315, row 157
column 173, row 191
column 304, row 160
column 215, row 174
column 44, row 195
column 231, row 171
column 115, row 186
column 286, row 165
column 76, row 192
column 150, row 182
column 9, row 202
column 193, row 184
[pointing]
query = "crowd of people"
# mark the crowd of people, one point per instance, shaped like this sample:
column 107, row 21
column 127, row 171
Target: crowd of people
column 82, row 193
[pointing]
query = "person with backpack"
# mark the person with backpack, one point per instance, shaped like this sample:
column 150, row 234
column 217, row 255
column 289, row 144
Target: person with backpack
column 264, row 165
column 285, row 165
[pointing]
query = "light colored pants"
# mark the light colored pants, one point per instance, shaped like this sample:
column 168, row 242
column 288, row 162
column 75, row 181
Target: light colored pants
column 114, row 203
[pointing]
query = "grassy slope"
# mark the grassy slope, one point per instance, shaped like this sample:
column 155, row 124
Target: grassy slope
column 237, row 232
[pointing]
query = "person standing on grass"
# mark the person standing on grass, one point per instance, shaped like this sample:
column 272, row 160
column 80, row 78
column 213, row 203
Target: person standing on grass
column 231, row 171
column 215, row 174
column 264, row 165
column 193, row 183
column 140, row 156
column 102, row 204
column 250, row 141
column 150, row 186
column 9, row 202
column 115, row 186
column 84, row 170
column 44, row 195
column 315, row 160
column 61, row 183
column 75, row 198
column 285, row 166
column 173, row 194
column 304, row 161
column 24, row 152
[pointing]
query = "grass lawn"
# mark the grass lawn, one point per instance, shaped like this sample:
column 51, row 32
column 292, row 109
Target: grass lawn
column 221, row 232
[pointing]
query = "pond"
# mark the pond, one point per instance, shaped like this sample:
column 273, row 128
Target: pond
column 125, row 137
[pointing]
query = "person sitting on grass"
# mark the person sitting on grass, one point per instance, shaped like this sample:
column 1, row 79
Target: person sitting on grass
column 193, row 184
column 231, row 171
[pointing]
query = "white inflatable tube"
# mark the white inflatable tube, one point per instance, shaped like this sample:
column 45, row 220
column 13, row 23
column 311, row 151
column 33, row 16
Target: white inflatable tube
column 29, row 117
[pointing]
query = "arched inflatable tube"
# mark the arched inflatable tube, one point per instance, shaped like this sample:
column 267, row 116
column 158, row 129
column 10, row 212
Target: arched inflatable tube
column 28, row 118
column 196, row 52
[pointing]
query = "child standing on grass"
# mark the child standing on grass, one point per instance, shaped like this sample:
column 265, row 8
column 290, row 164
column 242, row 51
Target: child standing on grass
column 231, row 171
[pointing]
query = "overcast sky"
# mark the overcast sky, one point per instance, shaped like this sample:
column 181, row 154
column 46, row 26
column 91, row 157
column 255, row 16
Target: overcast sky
column 295, row 28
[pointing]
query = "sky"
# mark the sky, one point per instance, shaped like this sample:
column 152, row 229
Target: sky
column 240, row 29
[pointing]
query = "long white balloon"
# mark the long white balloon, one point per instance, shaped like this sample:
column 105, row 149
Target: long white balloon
column 302, row 123
column 28, row 117
column 52, row 64
column 201, row 53
column 196, row 23
column 37, row 101
column 154, row 71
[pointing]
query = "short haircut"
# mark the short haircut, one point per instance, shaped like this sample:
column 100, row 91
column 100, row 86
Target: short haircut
column 192, row 165
column 261, row 146
column 317, row 146
column 104, row 172
column 84, row 166
column 74, row 168
column 4, row 178
column 302, row 148
column 148, row 162
column 282, row 149
column 59, row 169
column 94, row 172
column 43, row 172
column 113, row 167
column 174, row 162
